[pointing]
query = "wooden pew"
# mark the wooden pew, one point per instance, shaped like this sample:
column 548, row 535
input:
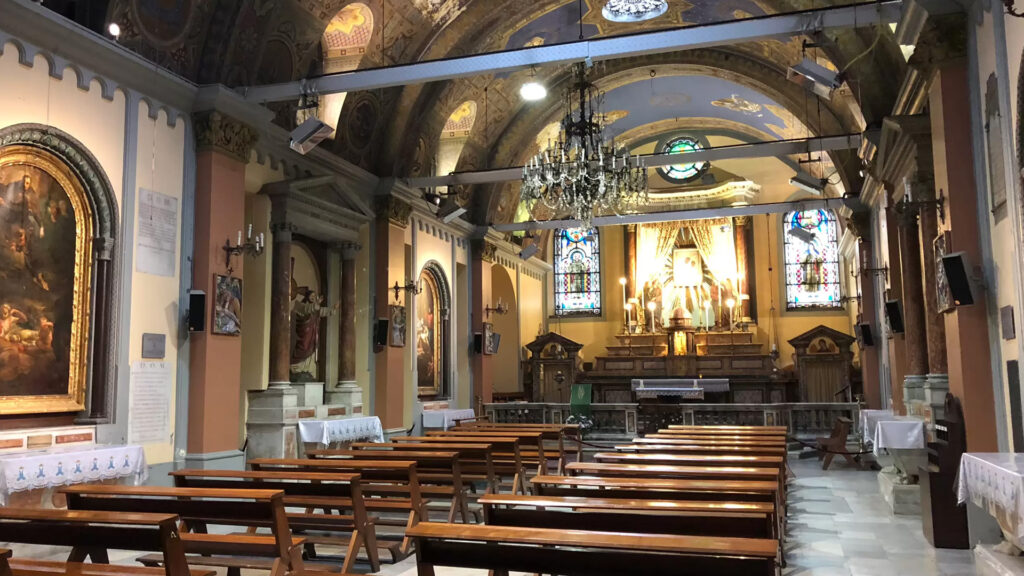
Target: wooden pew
column 737, row 434
column 439, row 472
column 706, row 440
column 562, row 434
column 90, row 534
column 588, row 553
column 506, row 454
column 635, row 515
column 531, row 444
column 678, row 459
column 198, row 508
column 476, row 461
column 387, row 486
column 326, row 490
column 675, row 471
column 723, row 449
column 729, row 428
column 657, row 488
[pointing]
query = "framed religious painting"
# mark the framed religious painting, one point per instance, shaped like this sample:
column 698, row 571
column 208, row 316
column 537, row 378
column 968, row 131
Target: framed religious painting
column 46, row 232
column 227, row 305
column 398, row 323
column 488, row 343
column 944, row 298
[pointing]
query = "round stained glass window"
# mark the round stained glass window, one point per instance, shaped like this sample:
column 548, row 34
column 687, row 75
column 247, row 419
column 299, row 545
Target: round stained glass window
column 684, row 172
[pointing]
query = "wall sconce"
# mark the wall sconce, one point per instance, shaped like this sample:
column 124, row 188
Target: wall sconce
column 251, row 247
column 500, row 309
column 410, row 286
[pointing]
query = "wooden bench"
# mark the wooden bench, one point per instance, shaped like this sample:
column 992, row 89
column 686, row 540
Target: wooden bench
column 439, row 472
column 199, row 508
column 730, row 428
column 588, row 553
column 736, row 433
column 326, row 490
column 673, row 459
column 505, row 454
column 635, row 515
column 531, row 444
column 707, row 440
column 388, row 487
column 476, row 460
column 643, row 448
column 90, row 534
column 835, row 443
column 561, row 434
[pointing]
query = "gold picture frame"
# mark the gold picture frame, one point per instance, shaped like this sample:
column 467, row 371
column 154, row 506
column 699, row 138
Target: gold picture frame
column 74, row 399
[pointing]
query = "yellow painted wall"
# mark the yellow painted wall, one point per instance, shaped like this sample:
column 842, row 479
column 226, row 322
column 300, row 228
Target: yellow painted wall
column 31, row 95
column 531, row 309
column 506, row 361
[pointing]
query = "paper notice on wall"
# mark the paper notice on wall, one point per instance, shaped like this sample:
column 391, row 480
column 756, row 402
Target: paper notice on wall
column 156, row 247
column 149, row 413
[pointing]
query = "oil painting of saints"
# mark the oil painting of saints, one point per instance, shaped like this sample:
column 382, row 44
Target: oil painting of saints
column 37, row 273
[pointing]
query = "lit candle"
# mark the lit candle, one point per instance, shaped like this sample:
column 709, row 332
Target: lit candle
column 624, row 305
column 239, row 243
column 248, row 234
column 650, row 307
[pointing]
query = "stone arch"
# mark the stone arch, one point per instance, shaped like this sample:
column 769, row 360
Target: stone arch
column 436, row 373
column 104, row 279
column 343, row 46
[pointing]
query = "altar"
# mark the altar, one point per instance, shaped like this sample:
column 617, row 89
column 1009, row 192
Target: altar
column 48, row 469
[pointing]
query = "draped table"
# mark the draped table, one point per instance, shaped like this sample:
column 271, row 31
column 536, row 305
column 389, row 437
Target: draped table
column 995, row 482
column 327, row 432
column 445, row 418
column 55, row 467
column 904, row 438
column 869, row 420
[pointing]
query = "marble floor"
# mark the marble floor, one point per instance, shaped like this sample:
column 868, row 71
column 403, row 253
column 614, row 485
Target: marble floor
column 838, row 526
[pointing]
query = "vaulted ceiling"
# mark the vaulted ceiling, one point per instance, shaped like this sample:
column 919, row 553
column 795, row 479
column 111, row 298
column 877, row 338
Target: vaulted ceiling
column 397, row 131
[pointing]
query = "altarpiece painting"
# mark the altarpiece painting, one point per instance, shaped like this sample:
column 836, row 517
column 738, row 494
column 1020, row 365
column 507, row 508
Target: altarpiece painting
column 45, row 269
column 428, row 351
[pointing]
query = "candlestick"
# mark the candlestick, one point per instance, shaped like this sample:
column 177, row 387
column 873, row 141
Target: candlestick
column 239, row 238
column 624, row 304
column 650, row 307
column 248, row 234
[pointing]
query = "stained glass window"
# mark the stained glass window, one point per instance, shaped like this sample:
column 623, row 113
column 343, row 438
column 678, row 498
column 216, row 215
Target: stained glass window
column 684, row 172
column 811, row 240
column 577, row 272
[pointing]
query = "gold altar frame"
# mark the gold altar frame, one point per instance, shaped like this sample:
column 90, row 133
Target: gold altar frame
column 435, row 390
column 74, row 400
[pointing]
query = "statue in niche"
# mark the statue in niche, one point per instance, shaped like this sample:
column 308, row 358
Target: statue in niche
column 307, row 311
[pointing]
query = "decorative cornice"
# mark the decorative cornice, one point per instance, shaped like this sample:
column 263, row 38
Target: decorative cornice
column 396, row 210
column 348, row 250
column 217, row 131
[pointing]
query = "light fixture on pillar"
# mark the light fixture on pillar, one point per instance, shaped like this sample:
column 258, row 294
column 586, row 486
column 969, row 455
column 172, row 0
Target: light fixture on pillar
column 114, row 29
column 410, row 286
column 251, row 246
column 501, row 308
column 938, row 203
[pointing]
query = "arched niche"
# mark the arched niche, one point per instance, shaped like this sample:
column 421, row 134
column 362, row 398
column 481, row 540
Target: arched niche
column 59, row 277
column 343, row 46
column 432, row 333
column 308, row 310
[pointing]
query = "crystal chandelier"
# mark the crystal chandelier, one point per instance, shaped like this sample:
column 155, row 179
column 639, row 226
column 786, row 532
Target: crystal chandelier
column 578, row 176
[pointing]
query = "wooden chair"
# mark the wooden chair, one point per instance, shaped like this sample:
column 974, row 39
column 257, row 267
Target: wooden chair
column 835, row 443
column 585, row 553
column 280, row 553
column 90, row 534
column 330, row 491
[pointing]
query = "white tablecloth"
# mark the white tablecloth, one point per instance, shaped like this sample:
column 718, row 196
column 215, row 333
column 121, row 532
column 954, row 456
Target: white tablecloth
column 445, row 418
column 904, row 433
column 995, row 482
column 327, row 432
column 869, row 419
column 77, row 465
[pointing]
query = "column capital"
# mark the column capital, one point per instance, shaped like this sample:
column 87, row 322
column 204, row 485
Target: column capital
column 283, row 231
column 485, row 250
column 396, row 210
column 348, row 250
column 217, row 131
column 943, row 39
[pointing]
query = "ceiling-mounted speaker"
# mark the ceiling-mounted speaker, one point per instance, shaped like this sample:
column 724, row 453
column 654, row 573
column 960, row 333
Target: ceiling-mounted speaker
column 894, row 314
column 959, row 278
column 196, row 315
column 865, row 337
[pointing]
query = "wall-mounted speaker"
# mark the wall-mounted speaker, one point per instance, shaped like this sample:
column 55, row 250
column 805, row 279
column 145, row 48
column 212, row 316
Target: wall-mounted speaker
column 959, row 278
column 894, row 314
column 196, row 311
column 864, row 335
column 478, row 343
column 380, row 334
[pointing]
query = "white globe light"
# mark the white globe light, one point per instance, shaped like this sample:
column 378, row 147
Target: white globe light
column 114, row 29
column 532, row 91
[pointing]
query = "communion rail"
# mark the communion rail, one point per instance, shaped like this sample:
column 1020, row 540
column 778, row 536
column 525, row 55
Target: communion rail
column 804, row 419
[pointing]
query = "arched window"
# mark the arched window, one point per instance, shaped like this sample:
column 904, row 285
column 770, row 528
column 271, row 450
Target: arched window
column 681, row 173
column 577, row 272
column 344, row 44
column 811, row 240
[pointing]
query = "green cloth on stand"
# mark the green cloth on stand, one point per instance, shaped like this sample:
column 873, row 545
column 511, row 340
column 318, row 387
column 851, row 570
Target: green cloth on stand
column 579, row 401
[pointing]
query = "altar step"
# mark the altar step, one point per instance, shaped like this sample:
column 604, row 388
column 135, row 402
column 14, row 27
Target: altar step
column 638, row 350
column 729, row 349
column 723, row 338
column 644, row 339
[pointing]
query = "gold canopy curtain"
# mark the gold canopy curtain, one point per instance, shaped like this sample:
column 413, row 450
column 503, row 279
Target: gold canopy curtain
column 654, row 244
column 717, row 248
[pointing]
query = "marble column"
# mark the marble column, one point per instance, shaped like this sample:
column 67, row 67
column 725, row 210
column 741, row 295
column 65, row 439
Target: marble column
column 913, row 311
column 347, row 392
column 937, row 384
column 274, row 413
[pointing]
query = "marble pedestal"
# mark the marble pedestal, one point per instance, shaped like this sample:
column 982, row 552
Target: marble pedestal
column 347, row 394
column 914, row 395
column 271, row 423
column 903, row 499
